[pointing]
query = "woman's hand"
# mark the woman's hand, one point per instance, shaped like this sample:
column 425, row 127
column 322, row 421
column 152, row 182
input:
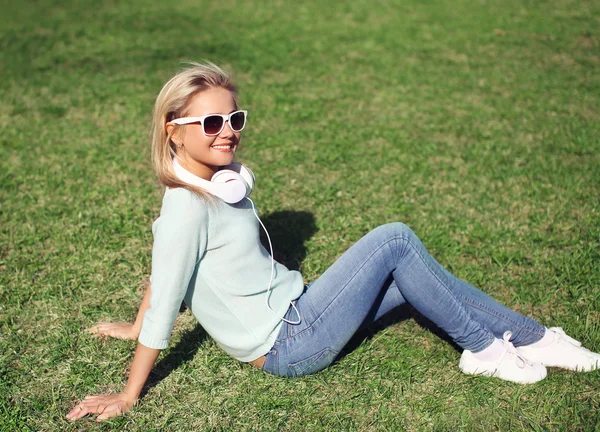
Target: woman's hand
column 106, row 405
column 118, row 330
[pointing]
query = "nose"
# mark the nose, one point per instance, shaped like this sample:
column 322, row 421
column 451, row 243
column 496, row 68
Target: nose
column 227, row 131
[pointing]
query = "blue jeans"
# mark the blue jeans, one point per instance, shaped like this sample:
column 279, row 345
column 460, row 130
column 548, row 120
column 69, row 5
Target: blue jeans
column 385, row 269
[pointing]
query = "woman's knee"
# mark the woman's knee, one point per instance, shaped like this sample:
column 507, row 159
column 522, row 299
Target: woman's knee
column 396, row 235
column 396, row 230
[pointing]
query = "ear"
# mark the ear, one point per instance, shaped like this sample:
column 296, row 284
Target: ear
column 170, row 128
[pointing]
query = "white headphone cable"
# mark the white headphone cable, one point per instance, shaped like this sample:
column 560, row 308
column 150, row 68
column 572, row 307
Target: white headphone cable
column 273, row 272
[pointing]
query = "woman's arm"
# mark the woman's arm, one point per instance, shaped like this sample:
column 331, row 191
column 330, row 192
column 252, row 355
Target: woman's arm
column 122, row 330
column 116, row 404
column 180, row 239
column 137, row 325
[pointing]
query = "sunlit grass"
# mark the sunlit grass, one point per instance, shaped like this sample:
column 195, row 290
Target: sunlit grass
column 476, row 124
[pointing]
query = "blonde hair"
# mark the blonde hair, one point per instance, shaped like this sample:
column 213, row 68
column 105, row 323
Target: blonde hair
column 172, row 102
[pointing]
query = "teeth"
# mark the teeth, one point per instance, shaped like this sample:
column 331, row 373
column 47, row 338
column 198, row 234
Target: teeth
column 222, row 147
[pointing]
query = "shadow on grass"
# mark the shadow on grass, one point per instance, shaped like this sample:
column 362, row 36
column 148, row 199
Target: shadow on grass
column 394, row 316
column 289, row 231
column 371, row 327
column 184, row 351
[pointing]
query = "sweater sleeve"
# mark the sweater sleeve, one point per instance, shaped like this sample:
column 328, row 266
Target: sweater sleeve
column 180, row 238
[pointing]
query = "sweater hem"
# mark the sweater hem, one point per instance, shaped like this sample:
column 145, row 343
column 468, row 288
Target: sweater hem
column 259, row 351
column 150, row 342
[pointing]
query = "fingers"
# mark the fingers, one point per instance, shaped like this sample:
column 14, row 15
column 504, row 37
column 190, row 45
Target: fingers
column 94, row 329
column 106, row 405
column 102, row 328
column 91, row 398
column 112, row 410
column 90, row 405
column 82, row 409
column 118, row 330
column 74, row 412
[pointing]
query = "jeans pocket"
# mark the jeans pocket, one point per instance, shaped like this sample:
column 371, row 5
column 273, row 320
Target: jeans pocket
column 314, row 363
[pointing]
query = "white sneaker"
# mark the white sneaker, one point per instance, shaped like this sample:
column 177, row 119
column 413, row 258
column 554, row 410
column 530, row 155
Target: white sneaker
column 563, row 352
column 510, row 366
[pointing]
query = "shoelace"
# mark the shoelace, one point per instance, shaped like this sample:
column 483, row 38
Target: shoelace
column 510, row 348
column 562, row 335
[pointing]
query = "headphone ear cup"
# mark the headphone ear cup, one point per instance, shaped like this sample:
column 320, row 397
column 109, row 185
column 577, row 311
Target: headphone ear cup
column 245, row 172
column 247, row 175
column 229, row 186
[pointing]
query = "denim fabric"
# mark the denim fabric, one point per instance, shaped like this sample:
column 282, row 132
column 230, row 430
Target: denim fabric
column 386, row 268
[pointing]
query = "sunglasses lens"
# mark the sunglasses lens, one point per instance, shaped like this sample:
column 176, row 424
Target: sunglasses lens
column 213, row 125
column 237, row 121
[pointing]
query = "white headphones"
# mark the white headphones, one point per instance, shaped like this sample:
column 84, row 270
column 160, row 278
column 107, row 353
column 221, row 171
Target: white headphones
column 232, row 183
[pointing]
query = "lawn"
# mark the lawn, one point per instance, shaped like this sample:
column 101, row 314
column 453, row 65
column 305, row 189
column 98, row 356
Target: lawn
column 476, row 123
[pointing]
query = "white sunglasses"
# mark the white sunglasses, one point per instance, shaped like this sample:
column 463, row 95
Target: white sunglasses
column 213, row 124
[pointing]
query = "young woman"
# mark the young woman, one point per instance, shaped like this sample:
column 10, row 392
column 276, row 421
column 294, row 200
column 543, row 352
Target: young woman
column 207, row 253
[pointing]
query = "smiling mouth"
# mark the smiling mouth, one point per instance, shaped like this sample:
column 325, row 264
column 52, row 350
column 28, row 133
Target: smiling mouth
column 224, row 147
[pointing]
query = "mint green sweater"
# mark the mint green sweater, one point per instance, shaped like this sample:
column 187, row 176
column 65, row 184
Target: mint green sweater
column 211, row 258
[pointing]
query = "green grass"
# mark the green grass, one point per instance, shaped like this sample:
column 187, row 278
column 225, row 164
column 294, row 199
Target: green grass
column 476, row 123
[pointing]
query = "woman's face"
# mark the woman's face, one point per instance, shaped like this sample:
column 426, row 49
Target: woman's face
column 201, row 154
